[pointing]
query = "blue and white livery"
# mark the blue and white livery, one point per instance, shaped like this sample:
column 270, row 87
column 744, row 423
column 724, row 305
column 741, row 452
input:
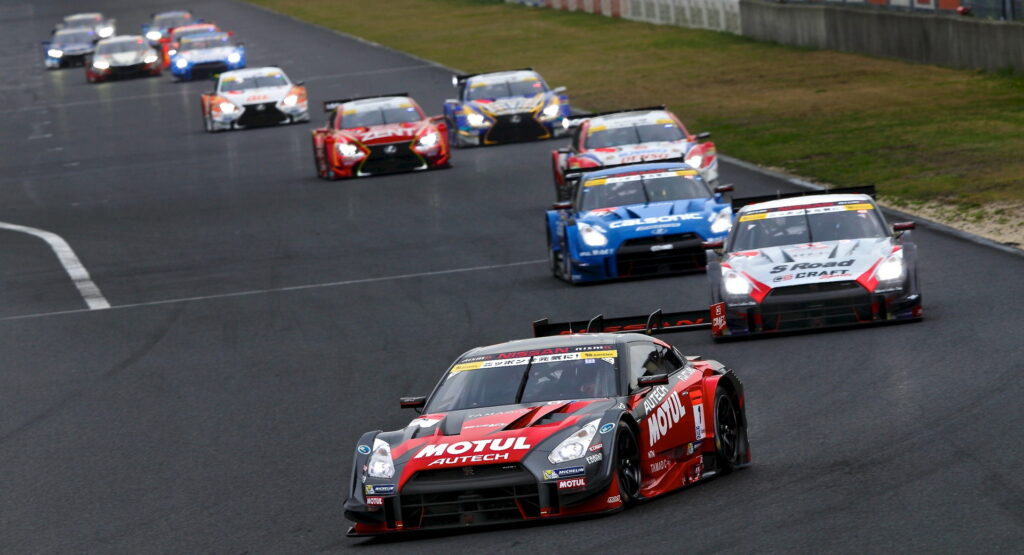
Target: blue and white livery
column 206, row 54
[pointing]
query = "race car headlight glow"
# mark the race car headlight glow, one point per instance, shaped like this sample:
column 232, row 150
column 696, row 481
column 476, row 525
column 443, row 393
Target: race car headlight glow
column 721, row 222
column 551, row 110
column 153, row 35
column 890, row 273
column 380, row 464
column 476, row 120
column 574, row 446
column 54, row 53
column 290, row 100
column 694, row 160
column 150, row 59
column 227, row 108
column 429, row 140
column 735, row 284
column 346, row 149
column 181, row 63
column 234, row 58
column 105, row 31
column 172, row 52
column 592, row 235
column 101, row 64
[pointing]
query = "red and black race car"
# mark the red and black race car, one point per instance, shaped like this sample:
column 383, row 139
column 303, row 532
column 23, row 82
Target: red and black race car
column 550, row 427
column 378, row 134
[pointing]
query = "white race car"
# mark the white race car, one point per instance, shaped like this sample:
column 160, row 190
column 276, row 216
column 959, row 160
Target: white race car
column 254, row 97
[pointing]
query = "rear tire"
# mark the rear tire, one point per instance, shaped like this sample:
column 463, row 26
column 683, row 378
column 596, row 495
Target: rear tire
column 728, row 432
column 627, row 464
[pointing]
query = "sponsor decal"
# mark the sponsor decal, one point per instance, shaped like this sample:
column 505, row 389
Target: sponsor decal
column 685, row 373
column 656, row 396
column 665, row 247
column 595, row 458
column 489, row 457
column 379, row 489
column 614, row 499
column 482, row 426
column 549, row 355
column 718, row 321
column 424, row 422
column 596, row 447
column 811, row 265
column 478, row 446
column 556, row 473
column 597, row 252
column 672, row 218
column 693, row 446
column 824, row 274
column 667, row 415
column 607, row 428
column 375, row 500
column 659, row 465
column 697, row 398
column 573, row 483
column 363, row 449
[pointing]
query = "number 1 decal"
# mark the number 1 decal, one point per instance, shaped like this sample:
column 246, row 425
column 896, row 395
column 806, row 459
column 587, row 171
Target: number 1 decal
column 698, row 414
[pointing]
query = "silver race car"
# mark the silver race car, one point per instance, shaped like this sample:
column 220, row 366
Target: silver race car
column 92, row 21
column 807, row 261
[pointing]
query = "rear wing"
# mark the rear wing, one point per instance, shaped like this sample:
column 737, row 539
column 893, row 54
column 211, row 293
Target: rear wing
column 460, row 78
column 657, row 322
column 738, row 203
column 572, row 177
column 331, row 105
column 576, row 120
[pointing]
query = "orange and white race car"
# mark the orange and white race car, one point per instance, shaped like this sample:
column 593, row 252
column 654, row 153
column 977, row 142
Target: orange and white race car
column 254, row 97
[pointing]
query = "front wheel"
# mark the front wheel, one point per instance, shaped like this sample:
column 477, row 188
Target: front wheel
column 728, row 432
column 627, row 464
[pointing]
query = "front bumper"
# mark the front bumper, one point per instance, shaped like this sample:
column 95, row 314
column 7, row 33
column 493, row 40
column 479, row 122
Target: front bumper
column 820, row 306
column 260, row 115
column 127, row 71
column 389, row 158
column 510, row 128
column 641, row 257
column 203, row 70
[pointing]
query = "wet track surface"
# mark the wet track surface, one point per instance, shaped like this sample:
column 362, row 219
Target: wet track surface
column 263, row 318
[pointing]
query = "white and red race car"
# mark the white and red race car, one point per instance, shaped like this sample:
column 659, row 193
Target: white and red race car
column 651, row 134
column 254, row 97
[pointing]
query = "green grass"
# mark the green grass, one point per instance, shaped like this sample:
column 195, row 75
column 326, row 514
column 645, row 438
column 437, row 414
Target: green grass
column 918, row 132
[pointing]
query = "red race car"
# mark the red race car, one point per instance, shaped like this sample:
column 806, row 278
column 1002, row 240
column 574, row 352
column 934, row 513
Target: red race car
column 376, row 135
column 551, row 427
column 171, row 41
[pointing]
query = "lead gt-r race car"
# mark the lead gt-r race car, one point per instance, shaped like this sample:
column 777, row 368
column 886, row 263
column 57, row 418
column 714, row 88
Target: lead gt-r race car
column 205, row 54
column 810, row 261
column 252, row 98
column 124, row 56
column 636, row 220
column 630, row 136
column 547, row 428
column 163, row 22
column 69, row 47
column 505, row 106
column 92, row 21
column 376, row 135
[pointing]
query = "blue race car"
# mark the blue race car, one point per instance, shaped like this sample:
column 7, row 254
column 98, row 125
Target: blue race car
column 206, row 54
column 505, row 106
column 69, row 47
column 635, row 221
column 163, row 22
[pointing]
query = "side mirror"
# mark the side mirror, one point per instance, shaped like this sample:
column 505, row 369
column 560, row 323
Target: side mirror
column 451, row 101
column 656, row 379
column 558, row 90
column 562, row 205
column 412, row 402
column 563, row 150
column 723, row 189
column 704, row 135
column 903, row 226
column 712, row 245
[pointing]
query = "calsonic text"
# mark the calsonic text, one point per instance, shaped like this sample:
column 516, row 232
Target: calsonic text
column 654, row 220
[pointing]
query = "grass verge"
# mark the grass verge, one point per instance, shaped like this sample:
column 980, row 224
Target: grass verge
column 920, row 133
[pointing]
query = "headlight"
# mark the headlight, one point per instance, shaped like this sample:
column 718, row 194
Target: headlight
column 429, row 140
column 234, row 58
column 54, row 53
column 347, row 149
column 150, row 58
column 721, row 222
column 105, row 31
column 574, row 446
column 476, row 120
column 290, row 100
column 551, row 110
column 592, row 235
column 153, row 35
column 101, row 64
column 735, row 284
column 380, row 464
column 227, row 108
column 171, row 52
column 890, row 272
column 181, row 63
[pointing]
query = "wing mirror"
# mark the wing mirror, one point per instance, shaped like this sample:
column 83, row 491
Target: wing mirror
column 562, row 205
column 412, row 402
column 558, row 90
column 704, row 135
column 723, row 189
column 647, row 381
column 903, row 226
column 712, row 245
column 451, row 101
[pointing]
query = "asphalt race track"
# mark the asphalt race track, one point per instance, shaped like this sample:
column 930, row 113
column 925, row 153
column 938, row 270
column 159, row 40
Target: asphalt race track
column 261, row 319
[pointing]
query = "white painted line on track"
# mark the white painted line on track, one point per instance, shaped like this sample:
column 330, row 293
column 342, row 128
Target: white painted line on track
column 288, row 289
column 78, row 274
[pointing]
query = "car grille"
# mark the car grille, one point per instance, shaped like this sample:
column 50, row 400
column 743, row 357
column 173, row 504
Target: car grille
column 265, row 113
column 391, row 157
column 451, row 497
column 206, row 69
column 133, row 69
column 658, row 254
column 818, row 304
column 516, row 127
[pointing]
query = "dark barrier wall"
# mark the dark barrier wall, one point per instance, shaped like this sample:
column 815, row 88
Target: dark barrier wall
column 951, row 41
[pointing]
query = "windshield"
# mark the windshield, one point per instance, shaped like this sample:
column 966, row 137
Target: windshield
column 480, row 91
column 379, row 116
column 178, row 35
column 641, row 188
column 82, row 20
column 121, row 46
column 171, row 20
column 74, row 37
column 238, row 84
column 603, row 137
column 806, row 224
column 199, row 44
column 562, row 373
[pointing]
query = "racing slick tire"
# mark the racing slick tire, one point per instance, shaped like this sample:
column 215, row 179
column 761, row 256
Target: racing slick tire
column 565, row 265
column 627, row 464
column 554, row 260
column 207, row 124
column 728, row 432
